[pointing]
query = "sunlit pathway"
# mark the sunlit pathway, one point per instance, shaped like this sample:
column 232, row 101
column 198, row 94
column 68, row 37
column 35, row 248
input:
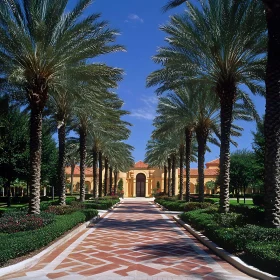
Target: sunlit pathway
column 135, row 241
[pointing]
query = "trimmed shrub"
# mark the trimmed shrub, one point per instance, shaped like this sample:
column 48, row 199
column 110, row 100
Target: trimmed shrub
column 20, row 243
column 230, row 220
column 90, row 213
column 190, row 206
column 265, row 256
column 252, row 215
column 15, row 221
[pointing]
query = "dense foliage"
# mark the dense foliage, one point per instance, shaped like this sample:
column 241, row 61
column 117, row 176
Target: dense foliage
column 234, row 232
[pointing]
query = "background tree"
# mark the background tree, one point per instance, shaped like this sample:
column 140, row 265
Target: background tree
column 242, row 164
column 259, row 151
column 14, row 156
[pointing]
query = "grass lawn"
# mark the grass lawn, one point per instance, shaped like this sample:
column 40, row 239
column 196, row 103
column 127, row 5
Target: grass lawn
column 233, row 201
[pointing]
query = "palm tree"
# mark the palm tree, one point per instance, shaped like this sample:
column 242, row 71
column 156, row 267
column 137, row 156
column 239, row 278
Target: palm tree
column 224, row 51
column 72, row 158
column 272, row 115
column 157, row 156
column 40, row 40
column 173, row 4
column 178, row 109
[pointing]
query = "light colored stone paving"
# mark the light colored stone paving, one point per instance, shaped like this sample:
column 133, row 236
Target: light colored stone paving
column 135, row 241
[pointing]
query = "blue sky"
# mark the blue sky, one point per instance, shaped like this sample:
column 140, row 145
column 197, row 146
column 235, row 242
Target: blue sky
column 138, row 22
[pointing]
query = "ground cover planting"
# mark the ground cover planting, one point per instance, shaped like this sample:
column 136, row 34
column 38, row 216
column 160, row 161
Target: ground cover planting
column 22, row 233
column 241, row 231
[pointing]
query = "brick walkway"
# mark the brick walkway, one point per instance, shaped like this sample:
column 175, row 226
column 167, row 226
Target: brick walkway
column 135, row 241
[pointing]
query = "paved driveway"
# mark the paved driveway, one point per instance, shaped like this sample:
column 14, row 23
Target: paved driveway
column 135, row 241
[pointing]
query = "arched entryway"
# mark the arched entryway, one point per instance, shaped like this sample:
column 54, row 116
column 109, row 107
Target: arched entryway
column 140, row 185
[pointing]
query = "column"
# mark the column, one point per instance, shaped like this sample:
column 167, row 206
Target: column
column 146, row 189
column 134, row 187
column 45, row 191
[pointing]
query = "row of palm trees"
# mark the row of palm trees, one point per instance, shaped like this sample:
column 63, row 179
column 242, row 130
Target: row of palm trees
column 48, row 63
column 226, row 44
column 195, row 111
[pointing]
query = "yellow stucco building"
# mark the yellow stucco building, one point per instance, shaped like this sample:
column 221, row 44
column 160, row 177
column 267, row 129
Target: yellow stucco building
column 141, row 179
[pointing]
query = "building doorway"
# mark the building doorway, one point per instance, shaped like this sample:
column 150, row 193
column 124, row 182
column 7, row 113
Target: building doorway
column 140, row 185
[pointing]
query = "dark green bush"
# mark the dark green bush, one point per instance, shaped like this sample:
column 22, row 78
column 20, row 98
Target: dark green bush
column 90, row 213
column 230, row 220
column 252, row 215
column 210, row 200
column 265, row 256
column 190, row 206
column 20, row 243
column 258, row 199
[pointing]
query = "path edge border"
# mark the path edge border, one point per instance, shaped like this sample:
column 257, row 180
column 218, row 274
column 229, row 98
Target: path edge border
column 33, row 260
column 233, row 260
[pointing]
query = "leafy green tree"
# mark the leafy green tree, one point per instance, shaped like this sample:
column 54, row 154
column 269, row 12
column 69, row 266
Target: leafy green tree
column 14, row 156
column 242, row 173
column 259, row 151
column 233, row 54
column 210, row 185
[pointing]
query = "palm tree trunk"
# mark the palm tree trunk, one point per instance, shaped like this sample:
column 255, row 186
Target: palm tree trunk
column 227, row 95
column 94, row 169
column 100, row 194
column 82, row 133
column 169, row 177
column 115, row 181
column 165, row 180
column 106, row 191
column 188, row 140
column 272, row 116
column 61, row 163
column 35, row 159
column 72, row 176
column 173, row 174
column 181, row 170
column 111, row 180
column 201, row 137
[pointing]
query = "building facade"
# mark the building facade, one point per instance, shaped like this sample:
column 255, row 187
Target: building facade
column 142, row 180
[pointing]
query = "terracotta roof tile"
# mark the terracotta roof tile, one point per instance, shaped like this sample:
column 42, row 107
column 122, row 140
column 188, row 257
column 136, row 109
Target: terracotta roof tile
column 207, row 172
column 88, row 171
column 214, row 162
column 140, row 164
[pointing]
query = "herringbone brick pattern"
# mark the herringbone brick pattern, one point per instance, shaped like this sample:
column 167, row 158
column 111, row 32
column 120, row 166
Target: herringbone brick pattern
column 135, row 241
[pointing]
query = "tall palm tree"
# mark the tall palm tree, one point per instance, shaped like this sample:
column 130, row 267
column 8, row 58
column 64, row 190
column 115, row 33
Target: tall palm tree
column 40, row 40
column 173, row 4
column 178, row 109
column 157, row 156
column 224, row 51
column 72, row 159
column 272, row 115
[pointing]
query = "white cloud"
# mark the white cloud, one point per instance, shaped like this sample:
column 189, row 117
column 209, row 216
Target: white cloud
column 134, row 17
column 148, row 111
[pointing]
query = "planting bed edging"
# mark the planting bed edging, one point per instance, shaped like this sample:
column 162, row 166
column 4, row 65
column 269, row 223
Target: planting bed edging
column 233, row 260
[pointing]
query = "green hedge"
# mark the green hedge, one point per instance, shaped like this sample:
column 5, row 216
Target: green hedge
column 258, row 245
column 20, row 243
column 180, row 205
column 264, row 256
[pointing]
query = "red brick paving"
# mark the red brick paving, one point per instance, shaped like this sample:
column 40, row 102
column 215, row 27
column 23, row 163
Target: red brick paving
column 135, row 241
